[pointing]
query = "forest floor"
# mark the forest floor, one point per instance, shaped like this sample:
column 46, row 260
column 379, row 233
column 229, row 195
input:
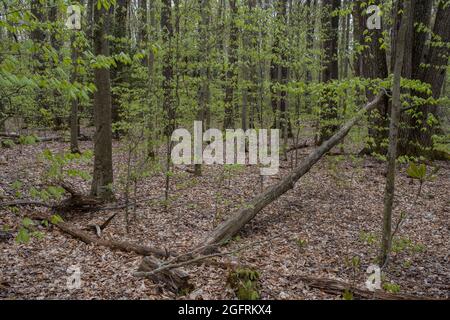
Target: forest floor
column 332, row 215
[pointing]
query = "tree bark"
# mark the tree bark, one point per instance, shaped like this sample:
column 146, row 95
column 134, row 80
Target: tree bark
column 119, row 72
column 38, row 37
column 176, row 280
column 103, row 172
column 203, row 73
column 393, row 135
column 231, row 74
column 331, row 69
column 74, row 148
column 429, row 59
column 338, row 287
column 373, row 65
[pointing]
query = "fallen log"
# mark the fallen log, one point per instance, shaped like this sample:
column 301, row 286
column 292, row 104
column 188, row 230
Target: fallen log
column 192, row 258
column 176, row 280
column 227, row 229
column 339, row 287
column 112, row 244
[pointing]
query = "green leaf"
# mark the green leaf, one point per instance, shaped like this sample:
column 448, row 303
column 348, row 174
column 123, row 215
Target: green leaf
column 27, row 223
column 417, row 171
column 55, row 219
column 347, row 295
column 23, row 236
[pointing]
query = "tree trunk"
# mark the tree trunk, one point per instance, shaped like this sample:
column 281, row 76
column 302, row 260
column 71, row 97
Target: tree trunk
column 393, row 134
column 103, row 172
column 279, row 69
column 371, row 63
column 38, row 37
column 142, row 32
column 429, row 63
column 167, row 85
column 119, row 72
column 203, row 60
column 231, row 74
column 152, row 79
column 331, row 69
column 74, row 103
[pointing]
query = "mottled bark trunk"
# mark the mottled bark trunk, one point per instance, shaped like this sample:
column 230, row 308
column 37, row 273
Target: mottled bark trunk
column 103, row 172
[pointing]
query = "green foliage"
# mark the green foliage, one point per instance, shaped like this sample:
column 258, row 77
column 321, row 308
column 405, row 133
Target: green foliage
column 23, row 236
column 55, row 219
column 347, row 295
column 17, row 186
column 441, row 143
column 368, row 237
column 62, row 165
column 301, row 243
column 28, row 140
column 391, row 287
column 8, row 143
column 417, row 171
column 401, row 244
column 27, row 231
column 245, row 283
column 49, row 193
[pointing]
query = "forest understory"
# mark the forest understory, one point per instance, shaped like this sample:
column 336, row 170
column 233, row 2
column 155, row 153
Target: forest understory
column 319, row 229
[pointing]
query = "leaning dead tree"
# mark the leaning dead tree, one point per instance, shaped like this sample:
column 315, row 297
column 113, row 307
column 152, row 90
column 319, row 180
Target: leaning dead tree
column 232, row 225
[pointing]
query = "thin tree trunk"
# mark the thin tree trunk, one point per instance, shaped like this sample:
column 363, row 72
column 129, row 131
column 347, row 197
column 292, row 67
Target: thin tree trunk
column 203, row 92
column 393, row 135
column 152, row 79
column 231, row 75
column 168, row 103
column 74, row 103
column 38, row 37
column 331, row 70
